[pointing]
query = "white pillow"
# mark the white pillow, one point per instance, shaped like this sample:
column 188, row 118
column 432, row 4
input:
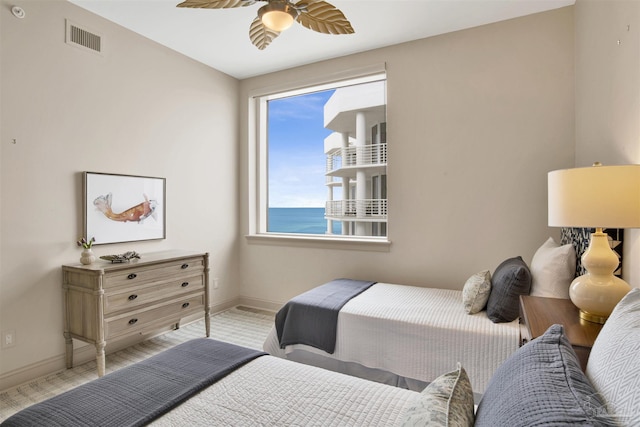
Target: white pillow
column 614, row 361
column 553, row 267
column 476, row 291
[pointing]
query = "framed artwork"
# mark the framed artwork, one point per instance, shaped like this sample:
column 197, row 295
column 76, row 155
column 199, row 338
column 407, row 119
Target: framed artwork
column 123, row 208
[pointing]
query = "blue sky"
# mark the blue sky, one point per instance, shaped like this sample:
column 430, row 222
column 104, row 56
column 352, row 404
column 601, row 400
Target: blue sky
column 296, row 151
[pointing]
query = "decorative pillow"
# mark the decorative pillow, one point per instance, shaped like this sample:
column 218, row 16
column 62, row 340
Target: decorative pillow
column 510, row 280
column 475, row 293
column 447, row 401
column 553, row 267
column 614, row 361
column 542, row 384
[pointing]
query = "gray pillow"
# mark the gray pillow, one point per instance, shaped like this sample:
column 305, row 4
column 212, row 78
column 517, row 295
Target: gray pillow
column 542, row 384
column 511, row 279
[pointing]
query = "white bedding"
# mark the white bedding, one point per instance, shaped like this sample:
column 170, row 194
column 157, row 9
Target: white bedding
column 413, row 332
column 273, row 392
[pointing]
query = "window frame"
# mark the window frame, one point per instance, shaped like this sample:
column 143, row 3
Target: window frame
column 258, row 161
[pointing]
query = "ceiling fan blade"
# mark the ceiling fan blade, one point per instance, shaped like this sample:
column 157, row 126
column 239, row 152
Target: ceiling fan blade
column 322, row 17
column 216, row 4
column 260, row 35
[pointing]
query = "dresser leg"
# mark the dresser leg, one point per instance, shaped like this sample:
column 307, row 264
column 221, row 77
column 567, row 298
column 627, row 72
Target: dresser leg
column 69, row 349
column 100, row 358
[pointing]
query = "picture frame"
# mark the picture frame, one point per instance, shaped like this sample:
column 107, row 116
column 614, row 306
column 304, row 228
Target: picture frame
column 123, row 208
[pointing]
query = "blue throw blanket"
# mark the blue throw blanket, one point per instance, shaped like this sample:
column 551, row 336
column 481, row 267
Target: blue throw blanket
column 137, row 394
column 311, row 318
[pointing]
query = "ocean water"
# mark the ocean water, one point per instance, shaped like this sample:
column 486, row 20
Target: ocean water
column 299, row 220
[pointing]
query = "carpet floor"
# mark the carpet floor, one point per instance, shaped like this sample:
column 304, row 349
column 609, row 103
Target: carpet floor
column 238, row 325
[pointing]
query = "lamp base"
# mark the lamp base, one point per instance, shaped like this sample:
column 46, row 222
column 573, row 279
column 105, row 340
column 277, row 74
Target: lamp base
column 593, row 318
column 598, row 292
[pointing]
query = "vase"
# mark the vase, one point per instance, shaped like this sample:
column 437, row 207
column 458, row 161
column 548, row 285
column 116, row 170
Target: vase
column 87, row 256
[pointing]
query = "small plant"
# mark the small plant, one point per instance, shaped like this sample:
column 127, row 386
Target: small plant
column 86, row 243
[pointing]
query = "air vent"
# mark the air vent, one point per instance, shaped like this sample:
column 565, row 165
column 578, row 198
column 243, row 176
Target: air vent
column 83, row 38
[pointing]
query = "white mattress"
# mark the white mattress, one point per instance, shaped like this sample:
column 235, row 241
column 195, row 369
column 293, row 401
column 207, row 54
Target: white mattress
column 274, row 392
column 416, row 333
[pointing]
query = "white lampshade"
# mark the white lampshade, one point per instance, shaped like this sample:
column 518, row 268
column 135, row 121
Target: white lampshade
column 596, row 197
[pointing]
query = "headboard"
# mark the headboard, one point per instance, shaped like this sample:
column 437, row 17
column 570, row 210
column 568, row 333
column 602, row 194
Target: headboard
column 580, row 237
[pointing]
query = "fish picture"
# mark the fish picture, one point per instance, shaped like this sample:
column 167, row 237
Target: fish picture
column 124, row 208
column 137, row 213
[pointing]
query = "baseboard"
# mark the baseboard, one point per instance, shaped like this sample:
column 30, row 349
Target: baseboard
column 84, row 353
column 260, row 304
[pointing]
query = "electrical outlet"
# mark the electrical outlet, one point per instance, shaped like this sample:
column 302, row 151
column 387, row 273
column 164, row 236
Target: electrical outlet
column 216, row 283
column 8, row 339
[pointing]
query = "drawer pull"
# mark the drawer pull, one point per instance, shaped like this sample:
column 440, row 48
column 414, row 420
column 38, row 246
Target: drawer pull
column 133, row 321
column 132, row 297
column 184, row 266
column 185, row 305
column 185, row 284
column 132, row 276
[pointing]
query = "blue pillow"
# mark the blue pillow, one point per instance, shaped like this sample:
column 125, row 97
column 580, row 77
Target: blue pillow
column 511, row 279
column 542, row 384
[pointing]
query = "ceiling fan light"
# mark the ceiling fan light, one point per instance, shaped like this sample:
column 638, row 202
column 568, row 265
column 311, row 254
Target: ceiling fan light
column 277, row 16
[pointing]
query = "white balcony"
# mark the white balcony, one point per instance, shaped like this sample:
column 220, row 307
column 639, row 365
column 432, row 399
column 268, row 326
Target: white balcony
column 357, row 210
column 356, row 157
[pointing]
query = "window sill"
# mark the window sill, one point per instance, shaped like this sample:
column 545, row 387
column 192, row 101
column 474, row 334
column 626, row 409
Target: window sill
column 321, row 241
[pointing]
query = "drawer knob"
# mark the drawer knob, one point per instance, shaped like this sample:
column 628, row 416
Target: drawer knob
column 133, row 321
column 132, row 276
column 183, row 266
column 132, row 297
column 185, row 284
column 185, row 305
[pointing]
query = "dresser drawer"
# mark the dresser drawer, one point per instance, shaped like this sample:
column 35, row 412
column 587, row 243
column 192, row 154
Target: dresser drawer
column 160, row 314
column 137, row 275
column 132, row 297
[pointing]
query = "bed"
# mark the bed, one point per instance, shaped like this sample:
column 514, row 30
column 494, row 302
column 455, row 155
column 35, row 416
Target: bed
column 406, row 335
column 540, row 384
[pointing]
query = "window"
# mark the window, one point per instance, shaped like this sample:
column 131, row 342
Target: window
column 321, row 157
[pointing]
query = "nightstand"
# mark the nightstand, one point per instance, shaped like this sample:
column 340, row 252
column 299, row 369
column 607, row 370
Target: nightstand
column 538, row 313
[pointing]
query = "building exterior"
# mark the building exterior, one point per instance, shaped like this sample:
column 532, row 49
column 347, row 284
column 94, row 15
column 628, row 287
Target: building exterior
column 356, row 153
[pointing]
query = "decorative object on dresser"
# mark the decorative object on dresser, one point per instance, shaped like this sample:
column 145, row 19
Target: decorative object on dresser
column 123, row 208
column 537, row 314
column 105, row 301
column 125, row 257
column 601, row 197
column 87, row 256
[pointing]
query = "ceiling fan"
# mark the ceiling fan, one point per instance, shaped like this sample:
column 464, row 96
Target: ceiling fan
column 278, row 15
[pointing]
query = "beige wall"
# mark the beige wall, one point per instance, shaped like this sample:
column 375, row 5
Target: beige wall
column 608, row 95
column 476, row 119
column 140, row 109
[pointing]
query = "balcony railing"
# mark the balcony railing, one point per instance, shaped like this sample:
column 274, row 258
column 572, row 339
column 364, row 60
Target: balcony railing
column 363, row 155
column 357, row 209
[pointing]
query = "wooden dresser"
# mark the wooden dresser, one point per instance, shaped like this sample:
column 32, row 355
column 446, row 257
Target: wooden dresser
column 105, row 301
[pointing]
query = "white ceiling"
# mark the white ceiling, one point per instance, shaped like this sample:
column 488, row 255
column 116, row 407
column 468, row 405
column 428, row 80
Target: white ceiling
column 219, row 37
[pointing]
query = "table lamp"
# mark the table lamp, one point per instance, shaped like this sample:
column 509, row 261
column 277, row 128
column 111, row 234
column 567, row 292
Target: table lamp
column 596, row 197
